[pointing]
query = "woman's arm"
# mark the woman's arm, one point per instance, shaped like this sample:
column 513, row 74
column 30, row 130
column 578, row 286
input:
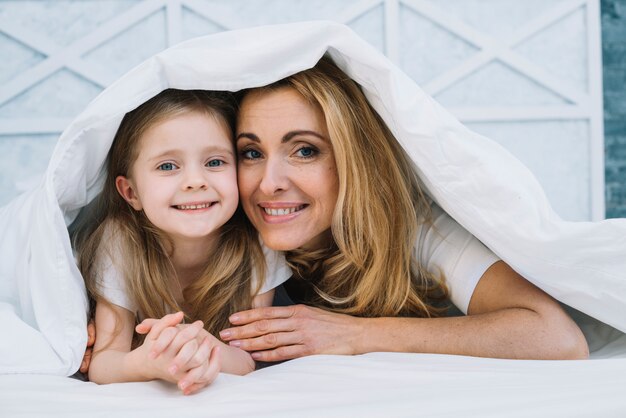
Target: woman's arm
column 508, row 317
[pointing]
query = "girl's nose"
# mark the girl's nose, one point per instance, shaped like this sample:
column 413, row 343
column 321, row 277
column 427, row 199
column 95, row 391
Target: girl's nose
column 195, row 178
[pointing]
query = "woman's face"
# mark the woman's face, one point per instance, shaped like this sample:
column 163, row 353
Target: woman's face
column 287, row 173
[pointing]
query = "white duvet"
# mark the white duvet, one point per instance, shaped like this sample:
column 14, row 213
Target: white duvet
column 43, row 302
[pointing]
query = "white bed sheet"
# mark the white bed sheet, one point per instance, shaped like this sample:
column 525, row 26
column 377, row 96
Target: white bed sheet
column 372, row 385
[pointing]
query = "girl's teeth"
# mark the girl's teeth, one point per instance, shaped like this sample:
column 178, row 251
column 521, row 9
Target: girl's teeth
column 192, row 207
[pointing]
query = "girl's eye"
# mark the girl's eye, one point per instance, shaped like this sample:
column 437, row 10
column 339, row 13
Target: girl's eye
column 167, row 167
column 250, row 154
column 215, row 163
column 306, row 152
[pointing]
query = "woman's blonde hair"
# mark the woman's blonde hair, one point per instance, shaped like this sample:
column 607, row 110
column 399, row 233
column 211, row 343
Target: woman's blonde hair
column 224, row 287
column 371, row 268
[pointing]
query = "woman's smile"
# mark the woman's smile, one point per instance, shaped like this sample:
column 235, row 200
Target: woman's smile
column 278, row 212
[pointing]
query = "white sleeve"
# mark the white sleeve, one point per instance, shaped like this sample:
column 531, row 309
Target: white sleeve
column 445, row 246
column 110, row 281
column 277, row 272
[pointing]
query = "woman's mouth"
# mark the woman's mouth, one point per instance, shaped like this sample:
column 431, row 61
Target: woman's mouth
column 283, row 211
column 276, row 213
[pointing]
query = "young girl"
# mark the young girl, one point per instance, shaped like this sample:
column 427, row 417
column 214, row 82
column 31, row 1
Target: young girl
column 167, row 237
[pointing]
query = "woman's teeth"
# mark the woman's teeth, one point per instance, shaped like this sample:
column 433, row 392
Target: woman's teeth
column 192, row 207
column 283, row 211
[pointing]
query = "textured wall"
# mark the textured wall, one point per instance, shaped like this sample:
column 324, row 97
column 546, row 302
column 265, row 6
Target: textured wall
column 614, row 61
column 523, row 72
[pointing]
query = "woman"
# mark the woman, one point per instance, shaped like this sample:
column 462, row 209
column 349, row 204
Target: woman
column 322, row 179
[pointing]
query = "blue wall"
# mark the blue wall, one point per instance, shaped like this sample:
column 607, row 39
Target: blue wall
column 614, row 60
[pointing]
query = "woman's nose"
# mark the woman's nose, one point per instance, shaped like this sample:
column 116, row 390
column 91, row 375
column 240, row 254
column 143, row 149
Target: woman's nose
column 275, row 178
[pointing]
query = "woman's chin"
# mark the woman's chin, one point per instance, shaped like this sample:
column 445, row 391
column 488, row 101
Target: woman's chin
column 282, row 243
column 289, row 242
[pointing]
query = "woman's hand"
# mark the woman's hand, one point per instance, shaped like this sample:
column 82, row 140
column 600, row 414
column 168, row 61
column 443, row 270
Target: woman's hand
column 282, row 333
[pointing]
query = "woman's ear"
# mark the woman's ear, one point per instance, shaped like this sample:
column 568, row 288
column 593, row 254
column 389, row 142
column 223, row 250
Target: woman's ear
column 126, row 189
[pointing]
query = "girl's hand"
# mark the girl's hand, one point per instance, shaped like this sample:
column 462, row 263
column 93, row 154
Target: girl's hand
column 282, row 333
column 185, row 354
column 205, row 373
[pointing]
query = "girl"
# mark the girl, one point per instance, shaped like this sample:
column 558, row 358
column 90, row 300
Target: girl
column 168, row 237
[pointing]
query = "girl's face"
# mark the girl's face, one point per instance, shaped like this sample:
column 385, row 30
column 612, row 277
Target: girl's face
column 185, row 177
column 287, row 172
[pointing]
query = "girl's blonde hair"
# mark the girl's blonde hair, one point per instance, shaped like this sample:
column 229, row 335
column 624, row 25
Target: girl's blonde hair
column 371, row 268
column 225, row 284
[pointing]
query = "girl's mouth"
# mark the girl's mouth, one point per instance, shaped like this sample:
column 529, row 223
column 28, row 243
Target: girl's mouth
column 195, row 206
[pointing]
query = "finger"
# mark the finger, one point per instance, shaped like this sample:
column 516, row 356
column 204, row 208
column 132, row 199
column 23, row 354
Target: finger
column 163, row 342
column 268, row 341
column 258, row 328
column 183, row 356
column 91, row 334
column 270, row 312
column 170, row 320
column 281, row 353
column 193, row 354
column 146, row 325
column 202, row 333
column 203, row 375
column 184, row 335
column 194, row 388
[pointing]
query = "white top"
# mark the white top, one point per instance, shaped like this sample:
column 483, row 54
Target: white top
column 446, row 246
column 442, row 246
column 112, row 285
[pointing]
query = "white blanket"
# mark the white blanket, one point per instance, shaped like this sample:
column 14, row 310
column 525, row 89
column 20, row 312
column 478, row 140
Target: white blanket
column 373, row 385
column 487, row 190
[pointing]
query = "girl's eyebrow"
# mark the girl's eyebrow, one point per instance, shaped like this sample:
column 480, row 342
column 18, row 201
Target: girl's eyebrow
column 286, row 138
column 210, row 149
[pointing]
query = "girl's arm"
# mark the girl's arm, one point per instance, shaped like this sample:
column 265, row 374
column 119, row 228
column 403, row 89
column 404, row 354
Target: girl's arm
column 232, row 359
column 110, row 359
column 508, row 317
column 113, row 361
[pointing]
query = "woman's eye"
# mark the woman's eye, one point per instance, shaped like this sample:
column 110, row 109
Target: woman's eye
column 167, row 167
column 250, row 154
column 215, row 163
column 306, row 152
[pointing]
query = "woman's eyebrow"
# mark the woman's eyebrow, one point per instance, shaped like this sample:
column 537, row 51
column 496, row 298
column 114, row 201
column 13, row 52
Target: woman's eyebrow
column 248, row 135
column 286, row 138
column 289, row 135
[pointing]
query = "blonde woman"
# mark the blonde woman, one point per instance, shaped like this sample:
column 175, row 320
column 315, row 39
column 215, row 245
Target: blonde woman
column 322, row 178
column 166, row 237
